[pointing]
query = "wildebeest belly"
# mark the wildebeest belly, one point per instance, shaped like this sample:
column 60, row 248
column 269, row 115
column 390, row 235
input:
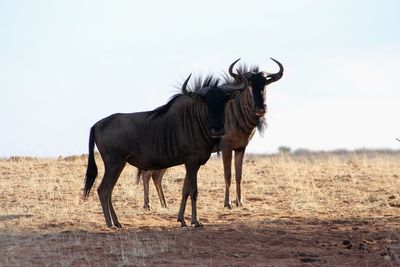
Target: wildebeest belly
column 152, row 163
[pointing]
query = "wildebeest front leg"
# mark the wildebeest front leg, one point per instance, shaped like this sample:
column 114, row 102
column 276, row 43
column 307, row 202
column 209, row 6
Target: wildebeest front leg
column 191, row 170
column 157, row 179
column 189, row 188
column 185, row 195
column 239, row 155
column 227, row 159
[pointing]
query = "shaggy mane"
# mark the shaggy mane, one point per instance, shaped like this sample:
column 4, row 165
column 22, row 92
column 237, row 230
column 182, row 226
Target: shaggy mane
column 201, row 82
column 161, row 110
column 198, row 85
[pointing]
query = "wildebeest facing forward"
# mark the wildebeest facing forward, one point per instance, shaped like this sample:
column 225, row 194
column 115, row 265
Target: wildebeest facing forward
column 183, row 131
column 241, row 119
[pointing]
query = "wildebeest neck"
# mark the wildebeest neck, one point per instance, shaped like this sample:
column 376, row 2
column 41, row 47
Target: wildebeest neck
column 239, row 113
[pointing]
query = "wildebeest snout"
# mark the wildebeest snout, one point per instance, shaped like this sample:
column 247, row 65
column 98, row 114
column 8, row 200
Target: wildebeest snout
column 217, row 133
column 261, row 111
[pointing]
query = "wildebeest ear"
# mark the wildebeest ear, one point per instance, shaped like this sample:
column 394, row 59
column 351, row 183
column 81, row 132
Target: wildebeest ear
column 233, row 94
column 197, row 97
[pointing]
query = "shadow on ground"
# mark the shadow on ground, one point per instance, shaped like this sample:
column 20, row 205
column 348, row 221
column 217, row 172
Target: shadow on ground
column 282, row 242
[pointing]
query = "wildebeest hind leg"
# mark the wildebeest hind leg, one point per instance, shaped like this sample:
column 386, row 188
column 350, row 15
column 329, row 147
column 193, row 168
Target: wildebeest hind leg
column 146, row 180
column 111, row 175
column 157, row 179
column 113, row 214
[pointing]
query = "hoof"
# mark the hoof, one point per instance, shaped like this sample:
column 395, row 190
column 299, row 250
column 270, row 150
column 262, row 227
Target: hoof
column 239, row 203
column 228, row 206
column 118, row 225
column 146, row 207
column 114, row 227
column 183, row 223
column 197, row 224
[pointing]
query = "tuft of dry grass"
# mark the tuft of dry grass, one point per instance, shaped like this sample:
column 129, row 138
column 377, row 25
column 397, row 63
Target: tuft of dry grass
column 41, row 199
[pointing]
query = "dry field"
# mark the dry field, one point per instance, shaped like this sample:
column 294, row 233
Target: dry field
column 323, row 210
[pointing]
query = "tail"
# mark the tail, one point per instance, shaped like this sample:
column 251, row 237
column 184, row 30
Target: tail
column 91, row 171
column 138, row 175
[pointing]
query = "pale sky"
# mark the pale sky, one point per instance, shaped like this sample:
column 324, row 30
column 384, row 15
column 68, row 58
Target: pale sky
column 64, row 65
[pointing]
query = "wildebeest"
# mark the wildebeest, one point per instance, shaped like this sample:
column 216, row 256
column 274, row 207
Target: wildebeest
column 241, row 119
column 183, row 131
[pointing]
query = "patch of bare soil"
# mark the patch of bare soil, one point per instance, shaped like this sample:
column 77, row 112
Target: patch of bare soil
column 298, row 212
column 284, row 242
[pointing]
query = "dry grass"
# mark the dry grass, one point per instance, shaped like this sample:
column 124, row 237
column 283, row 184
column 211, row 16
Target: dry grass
column 44, row 220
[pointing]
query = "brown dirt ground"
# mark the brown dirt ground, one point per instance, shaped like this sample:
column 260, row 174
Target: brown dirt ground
column 318, row 210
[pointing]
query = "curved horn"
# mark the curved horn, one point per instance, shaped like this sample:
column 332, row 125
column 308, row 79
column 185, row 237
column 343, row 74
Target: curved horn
column 243, row 80
column 235, row 76
column 239, row 87
column 184, row 90
column 275, row 76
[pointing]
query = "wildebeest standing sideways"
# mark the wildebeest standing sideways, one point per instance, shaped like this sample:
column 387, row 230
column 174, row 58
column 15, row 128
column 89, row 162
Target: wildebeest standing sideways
column 183, row 131
column 242, row 116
